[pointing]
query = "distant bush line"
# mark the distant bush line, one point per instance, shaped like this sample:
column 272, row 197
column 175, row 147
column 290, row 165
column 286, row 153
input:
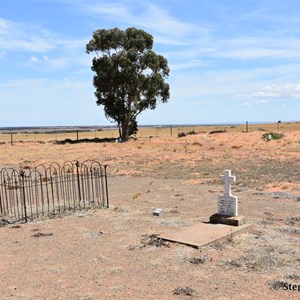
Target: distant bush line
column 183, row 134
column 95, row 140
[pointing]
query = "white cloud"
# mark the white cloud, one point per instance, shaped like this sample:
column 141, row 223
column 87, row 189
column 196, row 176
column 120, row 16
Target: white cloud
column 45, row 48
column 189, row 64
column 4, row 26
column 254, row 53
column 275, row 91
column 22, row 37
column 167, row 29
column 56, row 63
column 34, row 59
column 161, row 21
column 203, row 40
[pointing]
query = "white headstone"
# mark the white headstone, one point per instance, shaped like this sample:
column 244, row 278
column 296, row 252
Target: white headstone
column 228, row 204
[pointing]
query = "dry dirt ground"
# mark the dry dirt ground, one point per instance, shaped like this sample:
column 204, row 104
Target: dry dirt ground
column 116, row 253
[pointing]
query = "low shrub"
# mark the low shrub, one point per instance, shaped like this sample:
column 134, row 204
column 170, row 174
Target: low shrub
column 191, row 132
column 217, row 131
column 181, row 134
column 272, row 136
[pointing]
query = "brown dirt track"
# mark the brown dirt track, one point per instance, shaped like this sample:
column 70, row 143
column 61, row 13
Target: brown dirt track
column 114, row 253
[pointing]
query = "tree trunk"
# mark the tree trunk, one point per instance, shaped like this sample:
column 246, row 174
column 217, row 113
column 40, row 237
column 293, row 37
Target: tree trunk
column 120, row 131
column 125, row 132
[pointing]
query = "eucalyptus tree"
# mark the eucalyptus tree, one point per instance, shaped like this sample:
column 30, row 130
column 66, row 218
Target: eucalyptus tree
column 130, row 76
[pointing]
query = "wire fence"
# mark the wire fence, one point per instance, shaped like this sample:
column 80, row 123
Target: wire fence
column 48, row 135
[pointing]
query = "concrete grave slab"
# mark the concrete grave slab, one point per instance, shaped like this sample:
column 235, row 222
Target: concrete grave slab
column 201, row 234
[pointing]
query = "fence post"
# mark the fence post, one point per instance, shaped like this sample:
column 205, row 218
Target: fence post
column 11, row 138
column 22, row 174
column 78, row 182
column 106, row 186
column 1, row 209
column 77, row 133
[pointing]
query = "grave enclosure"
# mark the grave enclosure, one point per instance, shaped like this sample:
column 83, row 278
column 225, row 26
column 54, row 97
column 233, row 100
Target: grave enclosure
column 32, row 193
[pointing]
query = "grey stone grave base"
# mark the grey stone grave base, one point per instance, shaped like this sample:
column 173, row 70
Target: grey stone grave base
column 227, row 220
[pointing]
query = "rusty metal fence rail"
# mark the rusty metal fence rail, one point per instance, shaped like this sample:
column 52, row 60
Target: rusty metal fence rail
column 28, row 194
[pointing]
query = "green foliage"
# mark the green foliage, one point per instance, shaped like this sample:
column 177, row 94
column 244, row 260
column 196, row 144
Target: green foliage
column 191, row 132
column 272, row 136
column 130, row 77
column 183, row 134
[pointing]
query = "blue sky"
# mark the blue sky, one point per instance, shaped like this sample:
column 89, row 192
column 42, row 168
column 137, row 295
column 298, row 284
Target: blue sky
column 231, row 60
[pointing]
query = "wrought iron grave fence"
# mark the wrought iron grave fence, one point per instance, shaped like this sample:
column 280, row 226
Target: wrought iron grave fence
column 31, row 193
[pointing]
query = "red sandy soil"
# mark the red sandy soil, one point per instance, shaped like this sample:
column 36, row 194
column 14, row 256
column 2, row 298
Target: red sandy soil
column 115, row 254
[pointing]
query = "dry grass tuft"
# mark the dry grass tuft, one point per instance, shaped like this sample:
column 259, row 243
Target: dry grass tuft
column 186, row 291
column 236, row 147
column 263, row 254
column 198, row 260
column 136, row 195
column 154, row 240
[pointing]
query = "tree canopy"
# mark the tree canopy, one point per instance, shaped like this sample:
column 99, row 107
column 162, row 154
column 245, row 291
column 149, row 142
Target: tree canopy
column 130, row 76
